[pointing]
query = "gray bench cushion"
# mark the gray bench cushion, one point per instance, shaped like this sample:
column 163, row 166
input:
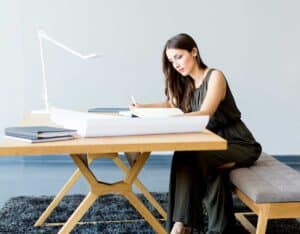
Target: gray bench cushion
column 268, row 181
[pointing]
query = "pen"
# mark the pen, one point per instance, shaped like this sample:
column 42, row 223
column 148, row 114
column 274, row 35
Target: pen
column 133, row 101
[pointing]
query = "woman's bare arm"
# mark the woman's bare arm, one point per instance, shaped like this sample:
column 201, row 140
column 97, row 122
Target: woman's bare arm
column 216, row 91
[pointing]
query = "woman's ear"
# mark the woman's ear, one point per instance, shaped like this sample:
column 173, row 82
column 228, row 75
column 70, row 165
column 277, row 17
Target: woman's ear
column 194, row 52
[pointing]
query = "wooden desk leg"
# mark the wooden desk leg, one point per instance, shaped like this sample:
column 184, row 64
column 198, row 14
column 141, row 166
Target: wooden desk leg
column 88, row 200
column 123, row 187
column 130, row 177
column 76, row 175
column 64, row 190
column 142, row 188
column 78, row 213
column 140, row 207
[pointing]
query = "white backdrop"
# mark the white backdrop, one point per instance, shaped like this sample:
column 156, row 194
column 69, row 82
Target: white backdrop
column 255, row 43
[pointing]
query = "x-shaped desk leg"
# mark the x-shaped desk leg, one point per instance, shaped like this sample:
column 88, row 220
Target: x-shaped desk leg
column 64, row 190
column 124, row 188
column 142, row 188
column 98, row 188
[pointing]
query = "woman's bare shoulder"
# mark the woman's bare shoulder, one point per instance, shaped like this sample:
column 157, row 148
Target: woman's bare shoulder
column 217, row 73
column 217, row 76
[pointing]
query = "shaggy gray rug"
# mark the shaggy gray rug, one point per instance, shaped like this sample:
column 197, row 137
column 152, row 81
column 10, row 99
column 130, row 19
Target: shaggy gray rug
column 111, row 213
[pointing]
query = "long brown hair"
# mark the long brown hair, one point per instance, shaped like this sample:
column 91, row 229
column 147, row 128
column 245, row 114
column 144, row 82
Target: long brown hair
column 178, row 88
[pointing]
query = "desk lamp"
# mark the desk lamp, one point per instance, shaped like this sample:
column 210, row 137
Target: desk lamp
column 42, row 35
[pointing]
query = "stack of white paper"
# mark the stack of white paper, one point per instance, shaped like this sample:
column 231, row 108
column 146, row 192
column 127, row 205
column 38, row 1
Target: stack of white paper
column 152, row 112
column 94, row 125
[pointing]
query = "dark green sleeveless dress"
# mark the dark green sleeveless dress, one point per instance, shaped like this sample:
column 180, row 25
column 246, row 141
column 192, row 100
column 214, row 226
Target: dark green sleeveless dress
column 226, row 122
column 195, row 178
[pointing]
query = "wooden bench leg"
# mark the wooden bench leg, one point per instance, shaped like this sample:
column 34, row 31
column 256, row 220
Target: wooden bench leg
column 241, row 217
column 262, row 220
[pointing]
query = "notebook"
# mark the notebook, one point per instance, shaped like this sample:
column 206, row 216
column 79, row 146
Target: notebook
column 38, row 140
column 36, row 132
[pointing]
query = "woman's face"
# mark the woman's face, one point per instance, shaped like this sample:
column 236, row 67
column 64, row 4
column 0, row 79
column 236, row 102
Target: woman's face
column 183, row 61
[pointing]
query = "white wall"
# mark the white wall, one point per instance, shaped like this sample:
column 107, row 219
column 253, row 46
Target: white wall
column 11, row 64
column 255, row 43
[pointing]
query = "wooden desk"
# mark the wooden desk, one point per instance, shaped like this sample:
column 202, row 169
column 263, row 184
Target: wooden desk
column 109, row 147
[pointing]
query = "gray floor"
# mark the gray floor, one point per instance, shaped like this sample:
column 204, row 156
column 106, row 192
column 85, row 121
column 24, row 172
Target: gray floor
column 46, row 175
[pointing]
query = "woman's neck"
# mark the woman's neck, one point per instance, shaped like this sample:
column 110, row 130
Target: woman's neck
column 198, row 75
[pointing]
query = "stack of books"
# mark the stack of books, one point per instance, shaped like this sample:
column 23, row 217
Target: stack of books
column 35, row 134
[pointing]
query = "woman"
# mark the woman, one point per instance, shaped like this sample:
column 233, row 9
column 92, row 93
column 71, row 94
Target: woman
column 201, row 177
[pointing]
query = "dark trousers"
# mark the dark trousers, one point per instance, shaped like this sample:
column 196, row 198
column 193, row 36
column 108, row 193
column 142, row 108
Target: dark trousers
column 195, row 179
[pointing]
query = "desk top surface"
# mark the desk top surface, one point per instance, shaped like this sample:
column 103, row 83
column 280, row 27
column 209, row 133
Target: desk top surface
column 205, row 140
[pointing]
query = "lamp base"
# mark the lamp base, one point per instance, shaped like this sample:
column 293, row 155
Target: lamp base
column 42, row 111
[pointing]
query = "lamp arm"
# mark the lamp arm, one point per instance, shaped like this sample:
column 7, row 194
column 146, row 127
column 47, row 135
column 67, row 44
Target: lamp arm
column 44, row 74
column 43, row 35
column 53, row 41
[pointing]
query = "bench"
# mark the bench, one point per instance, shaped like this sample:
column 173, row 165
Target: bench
column 270, row 189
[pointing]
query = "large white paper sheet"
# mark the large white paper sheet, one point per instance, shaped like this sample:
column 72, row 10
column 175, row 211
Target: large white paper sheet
column 155, row 112
column 94, row 125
